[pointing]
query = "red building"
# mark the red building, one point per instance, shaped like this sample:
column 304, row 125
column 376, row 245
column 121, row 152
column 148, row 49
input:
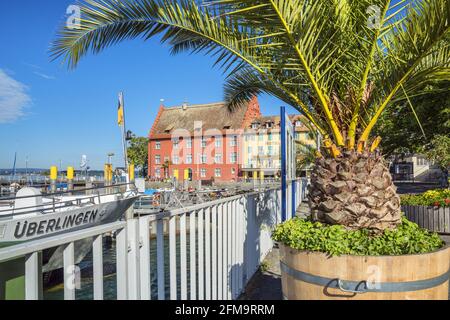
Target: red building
column 192, row 142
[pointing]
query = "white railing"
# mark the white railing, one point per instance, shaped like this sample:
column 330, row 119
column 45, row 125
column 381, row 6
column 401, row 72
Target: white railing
column 32, row 252
column 214, row 250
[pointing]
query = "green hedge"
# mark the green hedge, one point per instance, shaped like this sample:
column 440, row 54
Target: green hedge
column 408, row 238
column 437, row 198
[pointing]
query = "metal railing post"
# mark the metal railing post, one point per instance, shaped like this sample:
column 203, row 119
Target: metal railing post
column 134, row 291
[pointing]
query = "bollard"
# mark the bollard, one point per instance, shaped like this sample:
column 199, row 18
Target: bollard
column 70, row 172
column 131, row 172
column 107, row 174
column 107, row 177
column 53, row 177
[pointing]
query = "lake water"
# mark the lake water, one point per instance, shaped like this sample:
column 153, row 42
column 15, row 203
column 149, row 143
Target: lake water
column 85, row 292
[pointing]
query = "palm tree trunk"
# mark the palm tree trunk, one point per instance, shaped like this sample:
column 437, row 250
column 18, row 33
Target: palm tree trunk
column 354, row 190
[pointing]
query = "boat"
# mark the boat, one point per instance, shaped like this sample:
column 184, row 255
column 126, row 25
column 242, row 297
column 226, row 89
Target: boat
column 31, row 215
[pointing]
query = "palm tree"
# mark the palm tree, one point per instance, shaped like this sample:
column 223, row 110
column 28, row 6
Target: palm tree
column 166, row 166
column 340, row 63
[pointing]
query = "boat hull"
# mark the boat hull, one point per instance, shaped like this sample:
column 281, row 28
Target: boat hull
column 13, row 231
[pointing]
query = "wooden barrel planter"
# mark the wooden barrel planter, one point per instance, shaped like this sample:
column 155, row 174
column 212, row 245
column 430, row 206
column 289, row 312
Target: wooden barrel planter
column 435, row 219
column 316, row 276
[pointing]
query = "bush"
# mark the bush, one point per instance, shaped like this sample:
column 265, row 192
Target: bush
column 408, row 238
column 437, row 198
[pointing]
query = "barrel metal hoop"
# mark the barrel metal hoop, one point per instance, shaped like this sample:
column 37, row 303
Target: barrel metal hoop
column 362, row 286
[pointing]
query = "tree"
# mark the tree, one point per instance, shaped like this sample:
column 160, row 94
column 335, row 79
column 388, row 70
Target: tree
column 339, row 63
column 439, row 151
column 166, row 166
column 138, row 153
column 403, row 132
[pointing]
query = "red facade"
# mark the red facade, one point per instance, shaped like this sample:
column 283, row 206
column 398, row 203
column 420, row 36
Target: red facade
column 220, row 163
column 205, row 153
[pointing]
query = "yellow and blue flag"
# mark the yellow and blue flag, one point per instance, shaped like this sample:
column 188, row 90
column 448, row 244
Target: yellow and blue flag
column 120, row 118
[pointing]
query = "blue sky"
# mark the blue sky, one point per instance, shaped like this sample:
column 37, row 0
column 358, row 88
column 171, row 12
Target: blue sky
column 50, row 114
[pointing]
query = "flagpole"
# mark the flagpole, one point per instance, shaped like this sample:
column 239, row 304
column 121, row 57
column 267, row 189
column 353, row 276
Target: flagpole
column 124, row 142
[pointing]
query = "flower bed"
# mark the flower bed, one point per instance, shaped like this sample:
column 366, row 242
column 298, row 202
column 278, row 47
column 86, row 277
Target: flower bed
column 430, row 210
column 431, row 198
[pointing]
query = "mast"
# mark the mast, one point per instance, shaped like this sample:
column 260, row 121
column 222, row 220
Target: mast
column 121, row 123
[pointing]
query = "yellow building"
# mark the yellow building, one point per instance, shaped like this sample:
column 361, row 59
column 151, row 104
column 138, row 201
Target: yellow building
column 261, row 148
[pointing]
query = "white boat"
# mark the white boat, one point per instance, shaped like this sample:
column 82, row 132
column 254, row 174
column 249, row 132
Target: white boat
column 32, row 215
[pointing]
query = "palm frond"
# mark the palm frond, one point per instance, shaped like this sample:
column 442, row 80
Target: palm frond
column 326, row 58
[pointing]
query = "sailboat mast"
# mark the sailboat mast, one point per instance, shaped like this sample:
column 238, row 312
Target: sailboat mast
column 14, row 166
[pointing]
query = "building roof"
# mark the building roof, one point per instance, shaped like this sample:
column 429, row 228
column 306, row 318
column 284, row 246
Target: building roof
column 212, row 115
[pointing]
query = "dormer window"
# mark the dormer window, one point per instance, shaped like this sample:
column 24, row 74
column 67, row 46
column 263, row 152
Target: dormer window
column 298, row 123
column 269, row 124
column 255, row 125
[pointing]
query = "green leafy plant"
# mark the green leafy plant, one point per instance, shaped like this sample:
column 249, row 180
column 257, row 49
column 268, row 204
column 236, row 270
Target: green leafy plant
column 335, row 240
column 264, row 266
column 436, row 198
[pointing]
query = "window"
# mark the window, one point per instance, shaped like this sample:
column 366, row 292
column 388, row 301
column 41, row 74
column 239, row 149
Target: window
column 269, row 125
column 260, row 137
column 189, row 143
column 233, row 171
column 218, row 158
column 234, row 141
column 203, row 159
column 270, row 136
column 203, row 173
column 233, row 157
column 298, row 123
column 157, row 159
column 175, row 143
column 189, row 159
column 217, row 172
column 270, row 150
column 158, row 145
column 175, row 160
column 260, row 149
column 203, row 142
column 255, row 125
column 422, row 161
column 218, row 142
column 249, row 150
column 158, row 173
